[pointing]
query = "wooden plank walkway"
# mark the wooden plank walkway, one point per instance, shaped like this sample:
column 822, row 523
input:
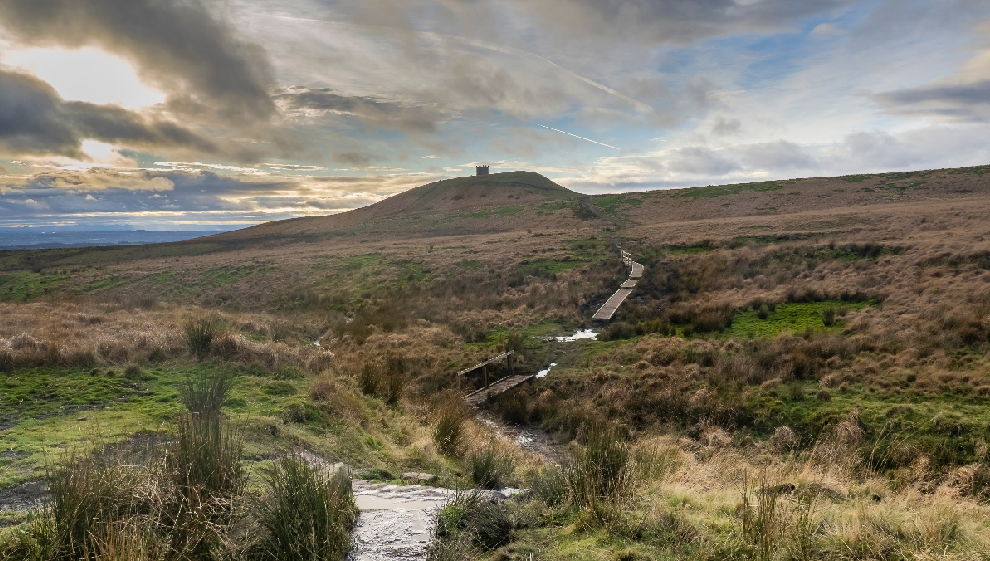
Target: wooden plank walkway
column 606, row 312
column 478, row 397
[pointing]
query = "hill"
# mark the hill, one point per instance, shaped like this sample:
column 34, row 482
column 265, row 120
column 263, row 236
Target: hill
column 463, row 205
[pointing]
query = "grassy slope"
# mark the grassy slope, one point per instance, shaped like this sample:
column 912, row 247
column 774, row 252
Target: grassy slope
column 906, row 365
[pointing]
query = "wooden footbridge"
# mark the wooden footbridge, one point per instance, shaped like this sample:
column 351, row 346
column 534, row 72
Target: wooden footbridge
column 478, row 396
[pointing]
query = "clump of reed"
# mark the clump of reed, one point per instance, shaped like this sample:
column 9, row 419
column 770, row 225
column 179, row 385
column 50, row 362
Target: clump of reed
column 384, row 378
column 599, row 474
column 448, row 428
column 201, row 332
column 470, row 521
column 490, row 466
column 306, row 512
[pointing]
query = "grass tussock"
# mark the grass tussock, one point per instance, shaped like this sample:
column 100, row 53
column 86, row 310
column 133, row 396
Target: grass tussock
column 449, row 426
column 491, row 466
column 306, row 512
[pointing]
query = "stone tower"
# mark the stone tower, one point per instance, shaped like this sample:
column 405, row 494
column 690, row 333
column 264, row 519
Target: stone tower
column 482, row 170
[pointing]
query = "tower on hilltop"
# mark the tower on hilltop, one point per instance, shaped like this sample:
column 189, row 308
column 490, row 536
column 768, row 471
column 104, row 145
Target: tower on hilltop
column 482, row 170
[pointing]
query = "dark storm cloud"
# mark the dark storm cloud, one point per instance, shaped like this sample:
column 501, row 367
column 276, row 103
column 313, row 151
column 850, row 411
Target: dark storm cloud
column 109, row 191
column 955, row 102
column 35, row 120
column 371, row 111
column 181, row 46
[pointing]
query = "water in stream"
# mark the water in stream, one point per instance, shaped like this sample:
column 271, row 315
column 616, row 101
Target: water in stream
column 580, row 334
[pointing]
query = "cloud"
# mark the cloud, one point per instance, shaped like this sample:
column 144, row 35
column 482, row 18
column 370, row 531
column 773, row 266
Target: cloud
column 726, row 127
column 371, row 111
column 35, row 120
column 181, row 46
column 354, row 159
column 102, row 196
column 780, row 156
column 665, row 21
column 968, row 102
column 701, row 161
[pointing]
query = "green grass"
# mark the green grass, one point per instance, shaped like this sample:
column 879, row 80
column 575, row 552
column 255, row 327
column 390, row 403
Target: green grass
column 358, row 262
column 549, row 208
column 230, row 275
column 855, row 178
column 501, row 211
column 52, row 409
column 19, row 287
column 49, row 410
column 794, row 317
column 109, row 282
column 469, row 265
column 410, row 272
column 546, row 267
column 610, row 203
column 690, row 249
column 948, row 426
column 714, row 191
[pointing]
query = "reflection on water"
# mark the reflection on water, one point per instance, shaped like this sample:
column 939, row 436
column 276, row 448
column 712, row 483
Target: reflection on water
column 543, row 373
column 581, row 334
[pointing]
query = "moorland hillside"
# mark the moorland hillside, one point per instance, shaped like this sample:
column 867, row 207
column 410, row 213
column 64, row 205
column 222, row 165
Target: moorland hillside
column 802, row 373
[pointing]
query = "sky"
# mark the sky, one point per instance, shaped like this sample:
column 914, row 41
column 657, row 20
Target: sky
column 180, row 114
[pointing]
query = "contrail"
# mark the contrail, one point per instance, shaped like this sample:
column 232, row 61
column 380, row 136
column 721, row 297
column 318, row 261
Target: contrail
column 639, row 105
column 581, row 137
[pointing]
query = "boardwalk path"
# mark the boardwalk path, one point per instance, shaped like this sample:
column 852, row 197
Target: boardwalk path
column 608, row 310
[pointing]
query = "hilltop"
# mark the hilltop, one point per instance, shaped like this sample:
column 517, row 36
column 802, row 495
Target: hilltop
column 462, row 205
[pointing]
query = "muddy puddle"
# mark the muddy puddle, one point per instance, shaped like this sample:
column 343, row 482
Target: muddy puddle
column 395, row 522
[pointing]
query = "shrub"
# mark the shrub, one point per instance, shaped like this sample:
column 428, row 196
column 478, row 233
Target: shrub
column 599, row 476
column 490, row 466
column 321, row 390
column 550, row 486
column 86, row 494
column 227, row 346
column 200, row 333
column 368, row 379
column 133, row 372
column 307, row 513
column 828, row 315
column 449, row 428
column 205, row 460
column 392, row 388
column 483, row 520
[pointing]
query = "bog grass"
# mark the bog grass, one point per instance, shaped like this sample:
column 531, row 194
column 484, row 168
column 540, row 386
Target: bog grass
column 795, row 318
